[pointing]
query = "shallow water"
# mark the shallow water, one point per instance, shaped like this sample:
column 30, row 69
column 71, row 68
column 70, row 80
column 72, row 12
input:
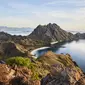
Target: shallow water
column 75, row 48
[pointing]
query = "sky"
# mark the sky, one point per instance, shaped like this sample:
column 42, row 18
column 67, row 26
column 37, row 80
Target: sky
column 68, row 14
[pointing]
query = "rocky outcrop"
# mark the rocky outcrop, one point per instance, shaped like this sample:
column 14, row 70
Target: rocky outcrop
column 67, row 76
column 63, row 71
column 6, row 73
column 60, row 70
column 50, row 33
column 81, row 81
column 16, row 76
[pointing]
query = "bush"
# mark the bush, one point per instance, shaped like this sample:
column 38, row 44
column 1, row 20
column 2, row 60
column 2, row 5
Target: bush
column 19, row 61
column 1, row 57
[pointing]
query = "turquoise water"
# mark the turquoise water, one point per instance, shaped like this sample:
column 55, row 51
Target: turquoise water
column 75, row 48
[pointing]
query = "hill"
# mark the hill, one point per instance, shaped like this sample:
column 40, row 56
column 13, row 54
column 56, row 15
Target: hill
column 50, row 33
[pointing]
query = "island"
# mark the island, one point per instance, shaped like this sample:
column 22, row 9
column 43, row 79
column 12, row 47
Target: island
column 19, row 67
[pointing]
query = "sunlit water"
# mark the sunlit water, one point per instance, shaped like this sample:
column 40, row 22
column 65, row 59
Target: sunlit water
column 75, row 48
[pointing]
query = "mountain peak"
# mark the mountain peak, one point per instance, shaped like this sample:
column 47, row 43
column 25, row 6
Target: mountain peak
column 49, row 33
column 48, row 25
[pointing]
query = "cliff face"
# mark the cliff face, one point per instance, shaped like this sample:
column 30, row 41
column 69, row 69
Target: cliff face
column 50, row 32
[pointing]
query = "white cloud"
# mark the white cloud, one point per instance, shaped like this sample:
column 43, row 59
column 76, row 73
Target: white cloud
column 31, row 15
column 60, row 2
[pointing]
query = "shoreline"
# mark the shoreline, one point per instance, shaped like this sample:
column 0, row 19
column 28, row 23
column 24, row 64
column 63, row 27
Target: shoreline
column 33, row 52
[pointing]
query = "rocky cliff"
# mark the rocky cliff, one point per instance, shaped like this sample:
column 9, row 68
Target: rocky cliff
column 50, row 33
column 63, row 70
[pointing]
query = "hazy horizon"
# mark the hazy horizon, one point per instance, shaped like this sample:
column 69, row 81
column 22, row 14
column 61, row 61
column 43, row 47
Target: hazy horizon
column 68, row 14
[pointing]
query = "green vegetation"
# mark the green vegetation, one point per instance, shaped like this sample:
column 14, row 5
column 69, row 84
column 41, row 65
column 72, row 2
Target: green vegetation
column 40, row 42
column 38, row 71
column 19, row 61
column 1, row 57
column 78, row 68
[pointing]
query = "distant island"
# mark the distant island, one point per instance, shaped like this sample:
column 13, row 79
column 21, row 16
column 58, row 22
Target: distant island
column 19, row 67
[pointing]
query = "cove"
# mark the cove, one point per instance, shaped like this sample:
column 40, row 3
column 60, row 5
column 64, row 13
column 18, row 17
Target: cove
column 75, row 48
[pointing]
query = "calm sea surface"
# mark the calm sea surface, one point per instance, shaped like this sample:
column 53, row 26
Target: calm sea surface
column 17, row 31
column 75, row 48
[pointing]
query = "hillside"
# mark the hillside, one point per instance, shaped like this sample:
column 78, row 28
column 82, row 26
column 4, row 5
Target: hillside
column 20, row 68
column 49, row 69
column 50, row 33
column 63, row 70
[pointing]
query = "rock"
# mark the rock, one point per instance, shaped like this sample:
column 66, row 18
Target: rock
column 81, row 81
column 63, row 71
column 2, row 62
column 6, row 74
column 16, row 76
column 50, row 33
column 37, row 82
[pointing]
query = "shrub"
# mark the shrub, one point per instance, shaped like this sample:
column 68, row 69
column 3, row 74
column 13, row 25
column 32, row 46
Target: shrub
column 34, row 68
column 19, row 61
column 1, row 57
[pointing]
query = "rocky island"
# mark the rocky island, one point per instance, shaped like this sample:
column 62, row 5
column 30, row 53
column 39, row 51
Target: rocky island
column 18, row 67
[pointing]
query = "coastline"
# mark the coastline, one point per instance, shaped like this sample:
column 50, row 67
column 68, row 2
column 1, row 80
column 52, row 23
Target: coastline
column 33, row 52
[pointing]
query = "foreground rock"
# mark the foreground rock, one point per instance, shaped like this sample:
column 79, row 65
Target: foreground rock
column 16, row 76
column 52, row 69
column 63, row 71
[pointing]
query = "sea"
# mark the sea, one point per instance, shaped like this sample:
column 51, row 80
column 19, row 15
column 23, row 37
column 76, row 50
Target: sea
column 16, row 31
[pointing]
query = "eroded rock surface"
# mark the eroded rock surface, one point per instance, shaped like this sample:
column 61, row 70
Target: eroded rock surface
column 16, row 76
column 63, row 71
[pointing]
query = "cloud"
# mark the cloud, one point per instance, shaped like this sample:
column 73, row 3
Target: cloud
column 69, row 14
column 64, row 2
